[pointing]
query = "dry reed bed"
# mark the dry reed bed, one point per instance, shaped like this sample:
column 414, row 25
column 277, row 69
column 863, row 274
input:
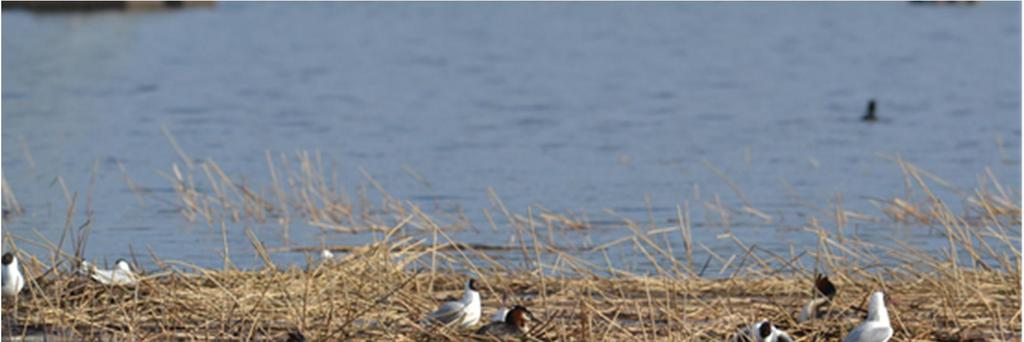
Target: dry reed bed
column 366, row 296
column 381, row 290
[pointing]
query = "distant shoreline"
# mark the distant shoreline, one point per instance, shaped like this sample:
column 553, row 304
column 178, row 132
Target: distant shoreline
column 81, row 6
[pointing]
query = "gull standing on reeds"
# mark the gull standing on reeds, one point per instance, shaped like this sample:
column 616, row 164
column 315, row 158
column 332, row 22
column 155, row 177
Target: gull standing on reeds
column 512, row 324
column 463, row 313
column 764, row 331
column 876, row 327
column 121, row 275
column 817, row 306
column 13, row 282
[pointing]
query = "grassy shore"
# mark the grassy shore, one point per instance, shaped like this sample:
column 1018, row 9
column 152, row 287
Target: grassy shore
column 381, row 290
column 370, row 296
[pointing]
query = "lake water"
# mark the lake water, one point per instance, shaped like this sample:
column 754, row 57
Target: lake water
column 576, row 107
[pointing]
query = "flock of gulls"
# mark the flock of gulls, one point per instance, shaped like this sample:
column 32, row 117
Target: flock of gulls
column 512, row 322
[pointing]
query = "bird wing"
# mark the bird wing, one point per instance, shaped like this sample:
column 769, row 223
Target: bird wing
column 877, row 334
column 113, row 277
column 121, row 277
column 805, row 313
column 485, row 330
column 102, row 276
column 870, row 332
column 448, row 312
column 782, row 336
column 8, row 277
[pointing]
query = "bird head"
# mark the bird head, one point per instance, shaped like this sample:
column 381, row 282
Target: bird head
column 9, row 259
column 122, row 265
column 765, row 330
column 518, row 316
column 824, row 286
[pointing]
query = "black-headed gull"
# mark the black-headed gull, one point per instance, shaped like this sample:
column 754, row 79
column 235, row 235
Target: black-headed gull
column 121, row 275
column 512, row 325
column 764, row 331
column 876, row 327
column 824, row 291
column 463, row 313
column 13, row 282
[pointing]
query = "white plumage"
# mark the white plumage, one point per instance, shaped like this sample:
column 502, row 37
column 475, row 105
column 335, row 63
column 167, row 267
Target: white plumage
column 13, row 282
column 876, row 327
column 121, row 275
column 463, row 313
column 499, row 316
column 764, row 331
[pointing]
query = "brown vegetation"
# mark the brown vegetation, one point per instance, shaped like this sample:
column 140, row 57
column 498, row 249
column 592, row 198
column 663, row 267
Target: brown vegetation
column 381, row 291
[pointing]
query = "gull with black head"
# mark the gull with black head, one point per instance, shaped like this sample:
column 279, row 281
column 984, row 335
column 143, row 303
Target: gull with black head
column 13, row 281
column 876, row 327
column 463, row 313
column 120, row 275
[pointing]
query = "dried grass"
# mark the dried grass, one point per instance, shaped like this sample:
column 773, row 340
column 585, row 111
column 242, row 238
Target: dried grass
column 380, row 291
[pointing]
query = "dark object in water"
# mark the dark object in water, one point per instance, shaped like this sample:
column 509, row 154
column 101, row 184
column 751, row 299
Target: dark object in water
column 869, row 116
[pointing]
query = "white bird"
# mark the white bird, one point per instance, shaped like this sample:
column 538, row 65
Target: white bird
column 121, row 275
column 13, row 282
column 876, row 328
column 824, row 291
column 326, row 254
column 764, row 331
column 463, row 313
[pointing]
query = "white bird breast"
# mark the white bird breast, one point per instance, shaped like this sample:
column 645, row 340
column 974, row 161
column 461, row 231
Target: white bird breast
column 13, row 282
